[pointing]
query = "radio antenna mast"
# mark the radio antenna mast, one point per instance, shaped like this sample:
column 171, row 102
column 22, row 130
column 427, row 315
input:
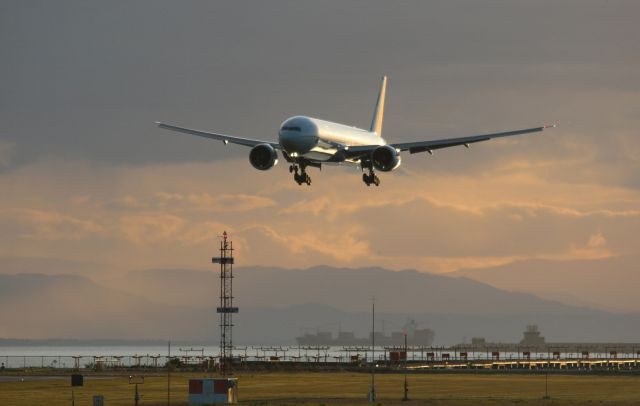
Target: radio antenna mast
column 226, row 309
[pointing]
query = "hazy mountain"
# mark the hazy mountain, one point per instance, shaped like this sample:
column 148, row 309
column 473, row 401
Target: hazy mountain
column 65, row 306
column 278, row 305
column 455, row 307
column 42, row 306
column 345, row 289
column 51, row 266
column 605, row 283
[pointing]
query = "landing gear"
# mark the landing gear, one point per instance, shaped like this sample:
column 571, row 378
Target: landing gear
column 370, row 178
column 302, row 177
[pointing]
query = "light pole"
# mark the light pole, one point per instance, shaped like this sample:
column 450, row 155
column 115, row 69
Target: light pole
column 372, row 393
column 136, row 380
column 406, row 383
column 546, row 386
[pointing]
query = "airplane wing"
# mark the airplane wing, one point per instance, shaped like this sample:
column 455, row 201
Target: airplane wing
column 428, row 146
column 220, row 137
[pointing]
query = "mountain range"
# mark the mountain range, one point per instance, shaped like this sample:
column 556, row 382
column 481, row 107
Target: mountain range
column 608, row 283
column 276, row 305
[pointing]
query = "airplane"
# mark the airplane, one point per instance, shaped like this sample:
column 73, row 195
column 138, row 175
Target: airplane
column 309, row 142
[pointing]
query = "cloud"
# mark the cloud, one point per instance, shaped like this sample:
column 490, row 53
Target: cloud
column 596, row 241
column 150, row 228
column 421, row 217
column 221, row 203
column 7, row 151
column 50, row 225
column 339, row 245
column 190, row 201
column 440, row 81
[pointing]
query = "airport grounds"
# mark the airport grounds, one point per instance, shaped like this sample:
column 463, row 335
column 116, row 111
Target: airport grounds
column 287, row 386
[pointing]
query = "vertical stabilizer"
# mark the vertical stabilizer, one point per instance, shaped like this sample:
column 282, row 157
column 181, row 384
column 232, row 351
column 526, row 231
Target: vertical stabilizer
column 378, row 113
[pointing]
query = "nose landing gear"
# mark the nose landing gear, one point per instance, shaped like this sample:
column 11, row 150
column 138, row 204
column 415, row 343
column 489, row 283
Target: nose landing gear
column 302, row 177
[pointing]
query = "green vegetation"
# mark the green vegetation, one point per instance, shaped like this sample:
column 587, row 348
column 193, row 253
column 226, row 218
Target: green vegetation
column 341, row 388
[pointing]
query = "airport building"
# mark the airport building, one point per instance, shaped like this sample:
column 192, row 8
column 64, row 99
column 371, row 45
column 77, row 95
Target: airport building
column 532, row 340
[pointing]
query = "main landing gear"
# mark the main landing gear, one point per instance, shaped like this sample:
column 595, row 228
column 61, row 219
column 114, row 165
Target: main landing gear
column 302, row 177
column 370, row 178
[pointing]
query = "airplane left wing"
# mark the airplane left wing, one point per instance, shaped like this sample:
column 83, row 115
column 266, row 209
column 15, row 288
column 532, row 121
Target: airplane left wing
column 422, row 146
column 220, row 137
column 428, row 146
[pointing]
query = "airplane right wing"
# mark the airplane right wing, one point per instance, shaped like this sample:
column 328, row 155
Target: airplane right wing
column 220, row 137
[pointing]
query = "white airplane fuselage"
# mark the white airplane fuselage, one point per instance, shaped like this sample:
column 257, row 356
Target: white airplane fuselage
column 320, row 140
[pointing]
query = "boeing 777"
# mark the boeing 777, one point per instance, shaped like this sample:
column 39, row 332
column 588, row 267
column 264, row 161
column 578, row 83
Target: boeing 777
column 309, row 142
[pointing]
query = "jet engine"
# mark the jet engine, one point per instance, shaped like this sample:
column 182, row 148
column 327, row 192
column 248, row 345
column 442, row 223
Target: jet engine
column 385, row 158
column 263, row 157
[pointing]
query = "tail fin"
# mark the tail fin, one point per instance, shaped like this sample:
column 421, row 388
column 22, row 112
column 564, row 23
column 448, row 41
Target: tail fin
column 378, row 113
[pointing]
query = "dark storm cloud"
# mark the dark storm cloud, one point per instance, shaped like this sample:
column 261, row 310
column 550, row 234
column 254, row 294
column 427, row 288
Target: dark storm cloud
column 86, row 80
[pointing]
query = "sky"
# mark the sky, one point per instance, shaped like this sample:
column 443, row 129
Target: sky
column 86, row 176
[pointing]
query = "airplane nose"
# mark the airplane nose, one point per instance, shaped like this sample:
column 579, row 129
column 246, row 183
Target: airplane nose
column 297, row 143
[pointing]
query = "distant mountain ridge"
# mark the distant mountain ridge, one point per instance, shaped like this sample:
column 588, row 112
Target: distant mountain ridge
column 278, row 305
column 71, row 306
column 607, row 283
column 11, row 265
column 407, row 291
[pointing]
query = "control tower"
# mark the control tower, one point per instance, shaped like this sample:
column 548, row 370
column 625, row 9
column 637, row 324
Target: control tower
column 532, row 337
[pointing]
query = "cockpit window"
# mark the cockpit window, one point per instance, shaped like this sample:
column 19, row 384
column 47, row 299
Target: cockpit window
column 291, row 129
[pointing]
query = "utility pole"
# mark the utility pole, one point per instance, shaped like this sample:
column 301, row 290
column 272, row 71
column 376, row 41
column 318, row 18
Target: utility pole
column 406, row 383
column 372, row 393
column 546, row 386
column 168, row 373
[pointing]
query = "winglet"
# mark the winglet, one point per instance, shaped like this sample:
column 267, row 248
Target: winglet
column 378, row 113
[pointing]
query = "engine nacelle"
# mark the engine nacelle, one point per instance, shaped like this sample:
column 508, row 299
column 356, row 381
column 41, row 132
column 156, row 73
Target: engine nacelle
column 385, row 158
column 263, row 157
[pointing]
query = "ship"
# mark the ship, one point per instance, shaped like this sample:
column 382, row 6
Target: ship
column 415, row 337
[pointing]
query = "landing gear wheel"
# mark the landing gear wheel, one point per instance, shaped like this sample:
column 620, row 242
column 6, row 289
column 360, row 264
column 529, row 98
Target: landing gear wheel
column 365, row 179
column 370, row 178
column 301, row 178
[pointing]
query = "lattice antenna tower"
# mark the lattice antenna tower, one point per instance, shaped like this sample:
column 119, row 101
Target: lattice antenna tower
column 226, row 309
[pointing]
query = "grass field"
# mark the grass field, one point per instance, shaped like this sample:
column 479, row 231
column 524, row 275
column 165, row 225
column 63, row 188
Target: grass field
column 342, row 388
